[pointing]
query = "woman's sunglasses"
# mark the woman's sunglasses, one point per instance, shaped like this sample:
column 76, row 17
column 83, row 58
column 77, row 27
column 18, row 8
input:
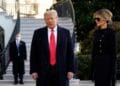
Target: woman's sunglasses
column 97, row 19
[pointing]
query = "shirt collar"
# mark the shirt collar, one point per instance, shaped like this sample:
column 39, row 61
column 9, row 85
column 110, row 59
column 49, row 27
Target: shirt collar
column 55, row 29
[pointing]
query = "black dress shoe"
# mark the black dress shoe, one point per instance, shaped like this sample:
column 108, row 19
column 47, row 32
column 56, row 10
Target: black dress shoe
column 21, row 82
column 1, row 77
column 15, row 82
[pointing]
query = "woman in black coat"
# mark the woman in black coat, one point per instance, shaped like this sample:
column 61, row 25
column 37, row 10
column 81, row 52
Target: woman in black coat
column 104, row 49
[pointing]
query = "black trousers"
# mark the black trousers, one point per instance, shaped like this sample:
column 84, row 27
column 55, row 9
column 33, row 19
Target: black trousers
column 18, row 76
column 53, row 78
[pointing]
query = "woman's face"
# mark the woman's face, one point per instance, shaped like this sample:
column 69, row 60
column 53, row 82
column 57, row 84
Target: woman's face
column 100, row 22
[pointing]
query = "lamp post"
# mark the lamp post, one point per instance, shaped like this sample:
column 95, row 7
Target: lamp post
column 17, row 5
column 18, row 16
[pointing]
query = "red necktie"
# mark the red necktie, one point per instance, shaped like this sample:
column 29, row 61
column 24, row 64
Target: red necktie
column 52, row 49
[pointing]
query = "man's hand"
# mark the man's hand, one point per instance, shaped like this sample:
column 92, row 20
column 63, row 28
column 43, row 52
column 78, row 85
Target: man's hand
column 34, row 76
column 70, row 75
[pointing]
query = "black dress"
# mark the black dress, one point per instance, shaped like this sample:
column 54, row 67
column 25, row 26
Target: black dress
column 104, row 56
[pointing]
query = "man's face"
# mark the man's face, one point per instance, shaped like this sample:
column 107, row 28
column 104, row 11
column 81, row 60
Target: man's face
column 51, row 20
column 18, row 37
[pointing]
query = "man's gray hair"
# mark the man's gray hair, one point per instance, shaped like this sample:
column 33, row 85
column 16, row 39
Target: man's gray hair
column 51, row 12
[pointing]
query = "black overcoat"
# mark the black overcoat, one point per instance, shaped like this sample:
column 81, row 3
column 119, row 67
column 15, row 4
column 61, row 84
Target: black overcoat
column 104, row 56
column 18, row 61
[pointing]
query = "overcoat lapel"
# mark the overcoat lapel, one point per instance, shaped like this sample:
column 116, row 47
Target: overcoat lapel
column 45, row 38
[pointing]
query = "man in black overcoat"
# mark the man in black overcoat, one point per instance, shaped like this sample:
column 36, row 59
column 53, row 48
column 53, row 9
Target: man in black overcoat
column 17, row 56
column 42, row 69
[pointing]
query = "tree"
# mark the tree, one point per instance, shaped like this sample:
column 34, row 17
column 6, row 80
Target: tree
column 84, row 10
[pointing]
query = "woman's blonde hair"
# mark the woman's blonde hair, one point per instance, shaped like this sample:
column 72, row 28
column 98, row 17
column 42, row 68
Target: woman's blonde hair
column 104, row 13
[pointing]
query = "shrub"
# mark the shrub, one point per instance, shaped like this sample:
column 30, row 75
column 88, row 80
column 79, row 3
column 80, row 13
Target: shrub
column 84, row 67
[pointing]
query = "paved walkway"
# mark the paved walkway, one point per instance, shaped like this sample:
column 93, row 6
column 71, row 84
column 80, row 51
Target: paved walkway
column 82, row 83
column 10, row 83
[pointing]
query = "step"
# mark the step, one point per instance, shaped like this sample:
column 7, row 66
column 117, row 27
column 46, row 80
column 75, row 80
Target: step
column 27, row 63
column 72, row 82
column 27, row 41
column 27, row 21
column 27, row 67
column 27, row 32
column 29, row 36
column 42, row 24
column 9, row 82
column 10, row 76
column 9, row 71
column 32, row 83
column 30, row 28
column 33, row 28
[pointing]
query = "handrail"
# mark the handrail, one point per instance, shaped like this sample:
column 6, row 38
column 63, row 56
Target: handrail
column 5, row 51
